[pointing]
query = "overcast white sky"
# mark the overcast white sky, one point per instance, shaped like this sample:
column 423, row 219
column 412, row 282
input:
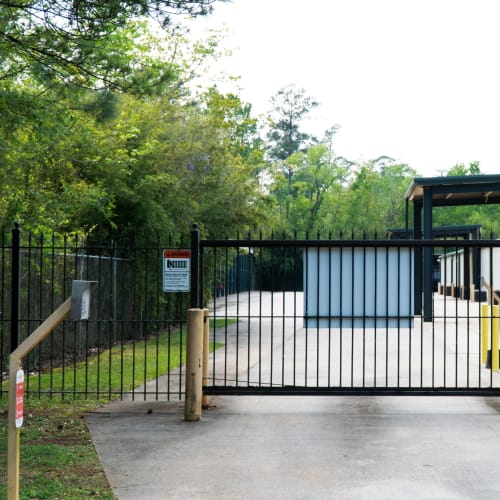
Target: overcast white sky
column 418, row 80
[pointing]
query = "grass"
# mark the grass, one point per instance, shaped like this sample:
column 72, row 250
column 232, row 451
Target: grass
column 115, row 371
column 58, row 458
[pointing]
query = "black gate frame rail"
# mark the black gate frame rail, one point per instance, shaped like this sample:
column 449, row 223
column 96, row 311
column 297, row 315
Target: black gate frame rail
column 347, row 391
column 349, row 243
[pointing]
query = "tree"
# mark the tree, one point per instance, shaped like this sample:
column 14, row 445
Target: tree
column 461, row 169
column 81, row 42
column 374, row 199
column 40, row 177
column 290, row 107
column 317, row 178
column 59, row 145
column 97, row 162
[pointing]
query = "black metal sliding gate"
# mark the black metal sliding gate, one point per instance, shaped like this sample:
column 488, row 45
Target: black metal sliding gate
column 337, row 317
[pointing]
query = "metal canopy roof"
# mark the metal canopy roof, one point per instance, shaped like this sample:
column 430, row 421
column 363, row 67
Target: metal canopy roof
column 456, row 190
column 429, row 192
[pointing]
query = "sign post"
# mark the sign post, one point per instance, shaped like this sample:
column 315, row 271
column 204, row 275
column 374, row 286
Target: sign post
column 176, row 270
column 81, row 296
column 16, row 394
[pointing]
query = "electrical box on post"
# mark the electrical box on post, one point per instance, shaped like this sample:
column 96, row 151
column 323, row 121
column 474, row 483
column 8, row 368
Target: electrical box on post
column 81, row 296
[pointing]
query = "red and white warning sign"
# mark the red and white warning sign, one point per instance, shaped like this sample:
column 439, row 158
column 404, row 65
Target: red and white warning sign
column 176, row 270
column 19, row 398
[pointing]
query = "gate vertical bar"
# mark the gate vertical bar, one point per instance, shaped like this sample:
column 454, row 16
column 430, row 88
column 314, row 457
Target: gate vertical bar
column 2, row 306
column 306, row 280
column 374, row 305
column 272, row 318
column 398, row 250
column 417, row 235
column 238, row 285
column 353, row 308
column 260, row 314
column 427, row 278
column 195, row 250
column 201, row 277
column 341, row 309
column 28, row 274
column 250, row 269
column 283, row 333
column 386, row 281
column 206, row 344
column 318, row 274
column 16, row 287
column 329, row 311
column 145, row 318
column 296, row 281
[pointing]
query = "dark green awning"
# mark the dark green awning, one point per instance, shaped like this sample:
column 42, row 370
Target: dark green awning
column 456, row 190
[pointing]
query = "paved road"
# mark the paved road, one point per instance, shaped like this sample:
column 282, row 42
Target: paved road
column 303, row 447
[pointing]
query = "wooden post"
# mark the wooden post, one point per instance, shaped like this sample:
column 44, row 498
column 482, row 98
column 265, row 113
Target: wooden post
column 206, row 333
column 15, row 359
column 194, row 368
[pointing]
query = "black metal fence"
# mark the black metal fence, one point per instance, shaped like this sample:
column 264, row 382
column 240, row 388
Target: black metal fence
column 341, row 317
column 135, row 333
column 288, row 316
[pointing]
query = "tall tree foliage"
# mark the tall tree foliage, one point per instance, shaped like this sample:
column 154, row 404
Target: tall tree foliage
column 182, row 164
column 317, row 180
column 376, row 198
column 74, row 41
column 289, row 107
column 154, row 166
column 100, row 161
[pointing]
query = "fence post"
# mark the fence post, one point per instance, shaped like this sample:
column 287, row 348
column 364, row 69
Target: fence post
column 206, row 333
column 16, row 287
column 194, row 368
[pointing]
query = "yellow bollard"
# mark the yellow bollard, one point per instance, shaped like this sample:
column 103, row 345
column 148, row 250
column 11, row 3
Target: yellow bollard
column 485, row 322
column 494, row 337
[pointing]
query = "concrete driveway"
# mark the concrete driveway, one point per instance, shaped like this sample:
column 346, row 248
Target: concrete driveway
column 303, row 447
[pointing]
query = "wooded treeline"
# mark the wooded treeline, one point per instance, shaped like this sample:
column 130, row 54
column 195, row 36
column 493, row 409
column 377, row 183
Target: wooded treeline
column 105, row 132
